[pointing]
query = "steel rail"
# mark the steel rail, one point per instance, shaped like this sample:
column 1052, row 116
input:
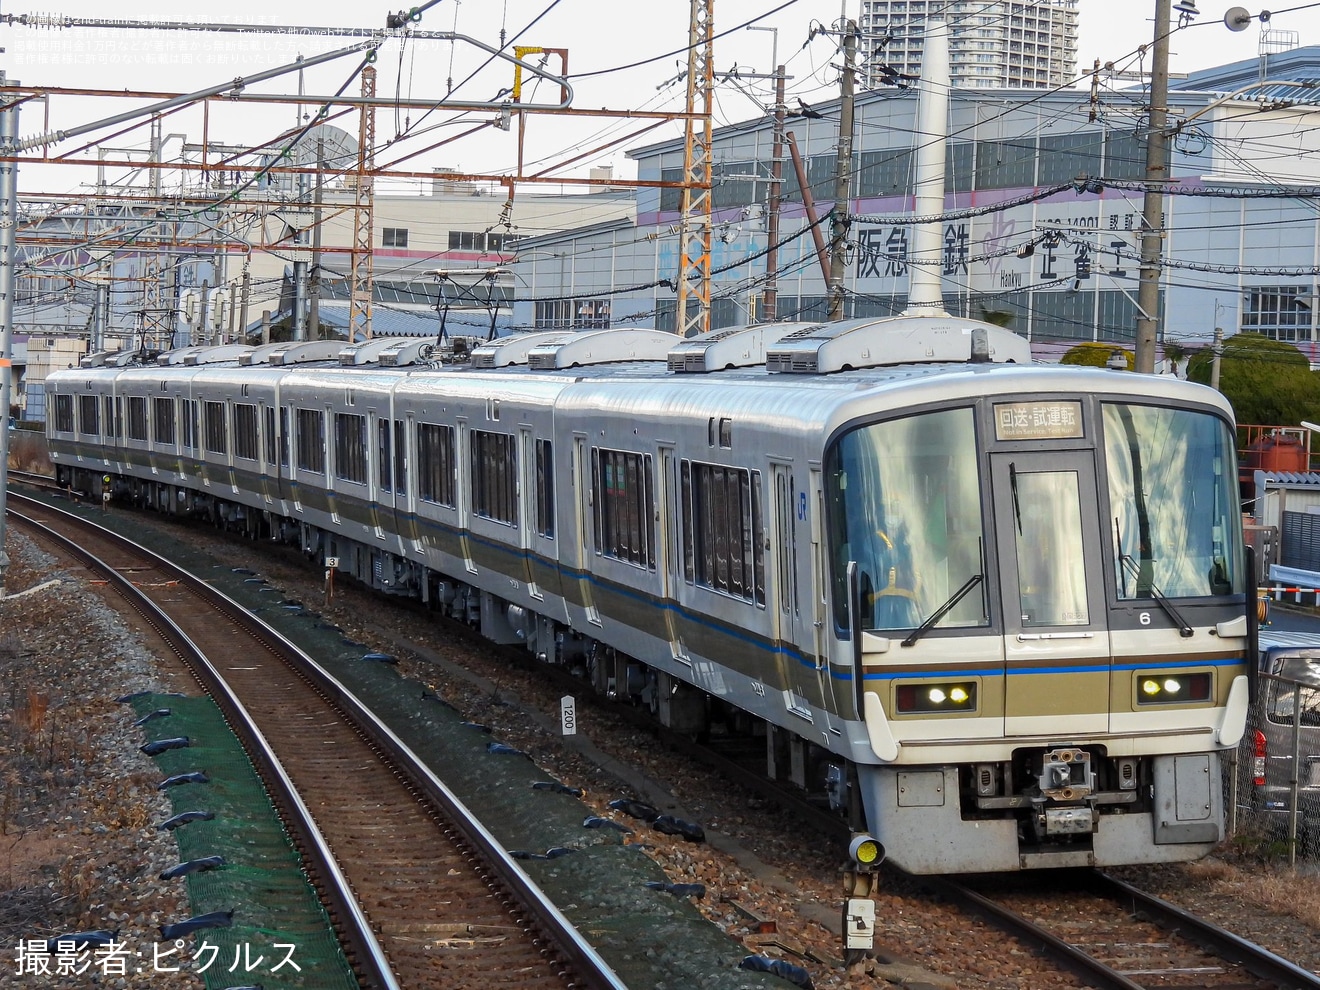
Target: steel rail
column 1254, row 958
column 41, row 482
column 566, row 938
column 365, row 953
column 1068, row 956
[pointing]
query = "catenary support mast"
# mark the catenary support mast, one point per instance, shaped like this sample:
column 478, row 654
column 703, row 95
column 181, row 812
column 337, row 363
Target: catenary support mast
column 694, row 229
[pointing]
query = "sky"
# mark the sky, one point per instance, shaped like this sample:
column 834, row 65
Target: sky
column 619, row 61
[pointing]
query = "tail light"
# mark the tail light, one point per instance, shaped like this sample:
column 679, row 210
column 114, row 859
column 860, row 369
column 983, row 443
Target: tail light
column 1258, row 760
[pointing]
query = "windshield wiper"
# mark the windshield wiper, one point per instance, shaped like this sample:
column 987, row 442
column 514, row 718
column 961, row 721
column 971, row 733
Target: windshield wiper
column 942, row 611
column 1118, row 543
column 1184, row 627
column 1012, row 484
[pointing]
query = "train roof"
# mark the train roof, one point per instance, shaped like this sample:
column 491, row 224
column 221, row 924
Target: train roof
column 852, row 356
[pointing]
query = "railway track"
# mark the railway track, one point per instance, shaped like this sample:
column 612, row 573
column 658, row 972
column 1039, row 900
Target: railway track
column 39, row 482
column 1129, row 939
column 1114, row 936
column 432, row 899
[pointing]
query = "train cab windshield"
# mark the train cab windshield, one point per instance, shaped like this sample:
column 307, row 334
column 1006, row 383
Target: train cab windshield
column 1173, row 501
column 906, row 506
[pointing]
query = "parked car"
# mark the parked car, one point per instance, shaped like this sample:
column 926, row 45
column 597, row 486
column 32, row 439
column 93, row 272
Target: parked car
column 1286, row 720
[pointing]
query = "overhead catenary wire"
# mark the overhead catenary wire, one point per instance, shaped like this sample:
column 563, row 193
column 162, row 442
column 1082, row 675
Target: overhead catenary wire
column 950, row 216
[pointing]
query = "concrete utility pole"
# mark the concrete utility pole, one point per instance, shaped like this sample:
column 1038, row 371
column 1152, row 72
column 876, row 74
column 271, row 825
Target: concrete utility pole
column 1218, row 351
column 299, row 320
column 101, row 315
column 839, row 221
column 202, row 333
column 1152, row 213
column 8, row 238
column 244, row 298
column 770, row 297
column 809, row 205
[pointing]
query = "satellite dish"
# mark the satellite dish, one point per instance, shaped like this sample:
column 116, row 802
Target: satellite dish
column 1237, row 18
column 338, row 146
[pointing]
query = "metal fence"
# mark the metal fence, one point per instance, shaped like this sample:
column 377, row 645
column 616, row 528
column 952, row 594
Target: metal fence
column 1272, row 779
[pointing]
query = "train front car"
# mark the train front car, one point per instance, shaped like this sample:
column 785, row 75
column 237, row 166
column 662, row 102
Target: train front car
column 1039, row 577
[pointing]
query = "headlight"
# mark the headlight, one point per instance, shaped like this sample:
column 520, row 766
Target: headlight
column 1172, row 689
column 954, row 696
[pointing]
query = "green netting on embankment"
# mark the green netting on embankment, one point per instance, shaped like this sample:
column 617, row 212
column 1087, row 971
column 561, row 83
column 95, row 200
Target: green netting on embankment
column 262, row 880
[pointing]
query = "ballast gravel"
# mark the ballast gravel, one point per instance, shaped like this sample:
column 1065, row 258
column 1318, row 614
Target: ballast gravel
column 79, row 850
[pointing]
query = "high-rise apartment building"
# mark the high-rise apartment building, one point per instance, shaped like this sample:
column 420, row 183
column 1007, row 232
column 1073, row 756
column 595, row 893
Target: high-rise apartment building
column 995, row 45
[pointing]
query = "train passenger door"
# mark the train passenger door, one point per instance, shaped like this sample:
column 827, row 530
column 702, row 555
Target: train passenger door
column 789, row 526
column 783, row 553
column 463, row 491
column 669, row 495
column 1051, row 576
column 378, row 453
column 582, row 496
column 811, row 679
column 405, row 481
column 525, row 501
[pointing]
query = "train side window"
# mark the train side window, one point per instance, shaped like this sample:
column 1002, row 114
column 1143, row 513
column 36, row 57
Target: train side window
column 722, row 549
column 88, row 420
column 351, row 448
column 245, row 430
column 494, row 476
column 162, row 408
column 435, row 464
column 63, row 413
column 623, row 509
column 213, row 419
column 190, row 423
column 384, row 456
column 311, row 440
column 284, row 437
column 400, row 457
column 269, row 417
column 111, row 420
column 137, row 417
column 545, row 489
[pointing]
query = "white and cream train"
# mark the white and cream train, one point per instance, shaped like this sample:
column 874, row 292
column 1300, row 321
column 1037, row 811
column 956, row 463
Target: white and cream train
column 996, row 611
